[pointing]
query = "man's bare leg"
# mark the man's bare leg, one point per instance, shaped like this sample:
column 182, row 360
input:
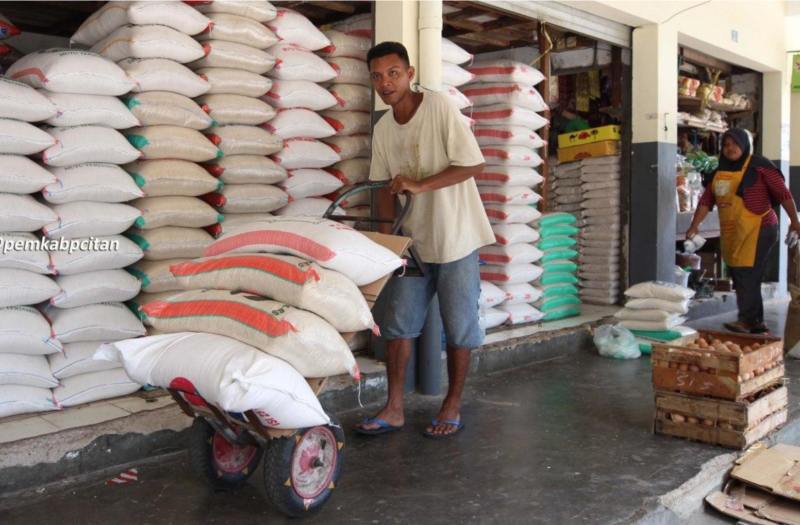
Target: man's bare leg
column 458, row 361
column 398, row 353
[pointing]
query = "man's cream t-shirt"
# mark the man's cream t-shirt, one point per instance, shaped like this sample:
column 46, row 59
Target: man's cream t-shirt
column 446, row 224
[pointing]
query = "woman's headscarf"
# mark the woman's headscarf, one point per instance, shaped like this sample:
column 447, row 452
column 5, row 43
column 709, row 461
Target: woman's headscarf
column 745, row 142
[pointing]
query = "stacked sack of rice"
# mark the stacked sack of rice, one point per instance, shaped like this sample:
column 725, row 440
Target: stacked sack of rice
column 557, row 285
column 505, row 105
column 455, row 76
column 8, row 54
column 88, row 200
column 655, row 306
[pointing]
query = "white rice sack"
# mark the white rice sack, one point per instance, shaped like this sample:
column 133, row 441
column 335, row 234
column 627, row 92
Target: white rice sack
column 302, row 339
column 244, row 140
column 227, row 81
column 492, row 317
column 294, row 123
column 456, row 97
column 119, row 252
column 71, row 71
column 90, row 219
column 453, row 53
column 21, row 138
column 77, row 110
column 306, row 153
column 491, row 295
column 349, row 71
column 360, row 25
column 287, row 94
column 602, row 185
column 676, row 307
column 511, row 214
column 236, row 109
column 95, row 322
column 351, row 97
column 506, row 114
column 513, row 254
column 246, row 169
column 225, row 372
column 601, row 212
column 606, row 203
column 78, row 358
column 170, row 242
column 19, row 101
column 235, row 220
column 155, row 276
column 90, row 182
column 521, row 313
column 351, row 171
column 344, row 45
column 150, row 41
column 21, row 287
column 285, row 279
column 87, row 144
column 171, row 142
column 604, row 221
column 161, row 74
column 522, row 95
column 600, row 285
column 23, row 254
column 304, row 183
column 94, row 386
column 613, row 277
column 644, row 315
column 659, row 290
column 352, row 147
column 22, row 213
column 114, row 15
column 19, row 174
column 248, row 198
column 509, row 176
column 509, row 234
column 295, row 62
column 17, row 399
column 234, row 56
column 239, row 29
column 520, row 294
column 510, row 274
column 503, row 70
column 186, row 212
column 26, row 370
column 258, row 10
column 502, row 135
column 454, row 75
column 347, row 123
column 293, row 28
column 24, row 330
column 654, row 326
column 95, row 287
column 361, row 198
column 331, row 245
column 508, row 195
column 157, row 108
column 166, row 177
column 309, row 207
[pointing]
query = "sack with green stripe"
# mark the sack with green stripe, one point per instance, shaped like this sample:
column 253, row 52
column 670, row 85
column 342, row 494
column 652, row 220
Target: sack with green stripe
column 155, row 275
column 554, row 290
column 171, row 142
column 545, row 305
column 556, row 278
column 552, row 243
column 285, row 279
column 168, row 177
column 558, row 266
column 559, row 230
column 561, row 313
column 186, row 212
column 159, row 108
column 558, row 254
column 556, row 219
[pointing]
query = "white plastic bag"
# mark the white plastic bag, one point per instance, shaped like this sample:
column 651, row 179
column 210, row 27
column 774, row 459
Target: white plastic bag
column 503, row 135
column 344, row 45
column 304, row 183
column 453, row 53
column 349, row 71
column 491, row 295
column 236, row 109
column 32, row 260
column 259, row 10
column 660, row 290
column 18, row 399
column 298, row 122
column 522, row 95
column 616, row 341
column 306, row 153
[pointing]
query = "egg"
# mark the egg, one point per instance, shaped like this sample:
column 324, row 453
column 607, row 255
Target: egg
column 708, row 422
column 673, row 365
column 746, row 376
column 756, row 346
column 728, row 343
column 739, row 379
column 735, row 348
column 692, row 345
column 758, row 371
column 703, row 344
column 692, row 420
column 747, row 349
column 678, row 418
column 683, row 367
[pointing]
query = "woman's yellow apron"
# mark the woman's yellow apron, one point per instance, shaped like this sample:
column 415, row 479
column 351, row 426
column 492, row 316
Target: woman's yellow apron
column 739, row 228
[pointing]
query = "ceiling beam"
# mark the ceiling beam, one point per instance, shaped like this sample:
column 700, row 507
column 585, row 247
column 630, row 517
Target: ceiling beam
column 477, row 37
column 473, row 27
column 339, row 7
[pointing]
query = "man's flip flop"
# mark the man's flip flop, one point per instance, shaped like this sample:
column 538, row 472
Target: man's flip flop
column 733, row 327
column 383, row 427
column 458, row 424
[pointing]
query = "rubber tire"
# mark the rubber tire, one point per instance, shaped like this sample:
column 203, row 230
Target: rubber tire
column 277, row 469
column 201, row 459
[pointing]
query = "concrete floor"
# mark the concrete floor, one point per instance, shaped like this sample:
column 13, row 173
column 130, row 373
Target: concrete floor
column 567, row 441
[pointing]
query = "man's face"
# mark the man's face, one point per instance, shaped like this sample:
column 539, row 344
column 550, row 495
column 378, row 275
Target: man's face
column 391, row 78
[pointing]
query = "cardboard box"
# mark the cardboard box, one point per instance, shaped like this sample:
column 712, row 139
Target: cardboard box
column 589, row 136
column 605, row 148
column 774, row 470
column 755, row 506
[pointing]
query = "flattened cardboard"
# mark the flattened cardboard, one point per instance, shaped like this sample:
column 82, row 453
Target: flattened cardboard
column 755, row 506
column 775, row 470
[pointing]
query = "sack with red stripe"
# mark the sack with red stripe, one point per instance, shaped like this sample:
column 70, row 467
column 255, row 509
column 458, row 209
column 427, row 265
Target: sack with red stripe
column 349, row 71
column 285, row 279
column 145, row 298
column 298, row 63
column 503, row 70
column 344, row 45
column 298, row 122
column 306, row 153
column 308, row 207
column 521, row 313
column 248, row 198
column 287, row 94
column 223, row 54
column 360, row 25
column 348, row 123
column 508, row 195
column 233, row 221
column 305, row 183
column 513, row 254
column 293, row 28
column 351, row 97
column 520, row 293
column 523, row 95
column 501, row 135
column 352, row 147
column 221, row 371
column 331, row 245
column 351, row 171
column 359, row 199
column 507, row 114
column 491, row 295
column 510, row 273
column 492, row 317
column 508, row 176
column 302, row 339
column 519, row 156
column 246, row 169
column 454, row 75
column 235, row 139
column 511, row 213
column 508, row 234
column 7, row 29
column 457, row 97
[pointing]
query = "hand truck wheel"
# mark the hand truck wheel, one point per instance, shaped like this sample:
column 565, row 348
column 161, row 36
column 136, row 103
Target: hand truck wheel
column 217, row 461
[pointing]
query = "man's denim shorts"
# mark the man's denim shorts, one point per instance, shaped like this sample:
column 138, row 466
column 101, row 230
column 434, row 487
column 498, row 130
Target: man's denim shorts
column 458, row 284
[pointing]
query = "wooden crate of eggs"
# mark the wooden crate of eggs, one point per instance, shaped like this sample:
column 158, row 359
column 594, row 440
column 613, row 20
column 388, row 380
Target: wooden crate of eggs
column 719, row 387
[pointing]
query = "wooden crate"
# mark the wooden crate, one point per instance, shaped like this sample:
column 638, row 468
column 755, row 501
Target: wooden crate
column 714, row 373
column 736, row 425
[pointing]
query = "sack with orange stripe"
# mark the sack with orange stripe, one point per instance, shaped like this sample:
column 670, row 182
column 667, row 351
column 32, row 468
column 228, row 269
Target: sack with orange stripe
column 511, row 156
column 508, row 176
column 302, row 339
column 509, row 195
column 512, row 254
column 508, row 114
column 511, row 213
column 504, row 135
column 285, row 279
column 485, row 94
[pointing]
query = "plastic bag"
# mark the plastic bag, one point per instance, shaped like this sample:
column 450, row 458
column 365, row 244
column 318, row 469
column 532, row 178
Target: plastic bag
column 617, row 342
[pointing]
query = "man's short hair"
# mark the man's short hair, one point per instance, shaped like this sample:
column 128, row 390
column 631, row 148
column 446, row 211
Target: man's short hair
column 385, row 49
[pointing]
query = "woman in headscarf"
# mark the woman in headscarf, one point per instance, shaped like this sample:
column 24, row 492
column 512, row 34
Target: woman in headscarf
column 745, row 188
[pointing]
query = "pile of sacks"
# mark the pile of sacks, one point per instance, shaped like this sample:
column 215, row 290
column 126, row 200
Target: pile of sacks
column 284, row 289
column 8, row 54
column 454, row 76
column 655, row 306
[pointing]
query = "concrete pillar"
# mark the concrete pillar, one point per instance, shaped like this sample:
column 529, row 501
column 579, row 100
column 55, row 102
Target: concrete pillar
column 653, row 123
column 794, row 152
